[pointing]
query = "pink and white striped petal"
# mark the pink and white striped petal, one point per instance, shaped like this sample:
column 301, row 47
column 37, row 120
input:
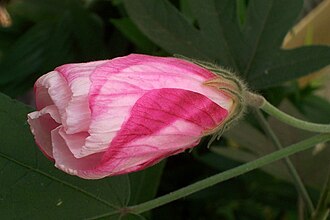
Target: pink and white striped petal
column 119, row 83
column 117, row 116
column 162, row 122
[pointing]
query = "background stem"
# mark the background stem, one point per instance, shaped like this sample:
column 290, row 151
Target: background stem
column 322, row 211
column 292, row 170
column 247, row 167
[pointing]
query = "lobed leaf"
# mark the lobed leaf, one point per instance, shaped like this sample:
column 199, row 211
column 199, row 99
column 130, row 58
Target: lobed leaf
column 36, row 187
column 31, row 186
column 252, row 49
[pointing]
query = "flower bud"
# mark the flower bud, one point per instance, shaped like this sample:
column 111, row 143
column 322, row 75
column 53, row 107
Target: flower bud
column 117, row 116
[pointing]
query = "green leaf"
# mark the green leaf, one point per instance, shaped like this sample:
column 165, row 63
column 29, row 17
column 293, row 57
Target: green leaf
column 42, row 48
column 131, row 32
column 284, row 65
column 32, row 188
column 144, row 184
column 28, row 50
column 85, row 28
column 87, row 31
column 74, row 35
column 30, row 183
column 6, row 39
column 127, row 216
column 133, row 217
column 164, row 25
column 252, row 49
column 38, row 10
column 266, row 25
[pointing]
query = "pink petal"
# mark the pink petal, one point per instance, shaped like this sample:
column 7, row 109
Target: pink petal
column 41, row 124
column 77, row 112
column 74, row 141
column 119, row 83
column 163, row 122
column 52, row 89
column 112, row 117
column 104, row 128
column 77, row 115
column 65, row 160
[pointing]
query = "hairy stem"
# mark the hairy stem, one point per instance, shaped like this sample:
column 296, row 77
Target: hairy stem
column 260, row 102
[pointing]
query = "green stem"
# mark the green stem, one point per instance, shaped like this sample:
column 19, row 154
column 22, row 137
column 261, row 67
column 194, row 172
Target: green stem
column 296, row 178
column 303, row 145
column 322, row 211
column 210, row 181
column 260, row 102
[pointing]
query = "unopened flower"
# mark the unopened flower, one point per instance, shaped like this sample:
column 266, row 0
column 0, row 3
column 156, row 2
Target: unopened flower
column 122, row 115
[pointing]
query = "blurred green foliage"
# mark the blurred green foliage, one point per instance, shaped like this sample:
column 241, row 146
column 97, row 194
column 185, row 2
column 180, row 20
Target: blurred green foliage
column 48, row 33
column 215, row 31
column 242, row 35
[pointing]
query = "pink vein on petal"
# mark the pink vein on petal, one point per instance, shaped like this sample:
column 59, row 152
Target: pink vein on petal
column 174, row 111
column 119, row 83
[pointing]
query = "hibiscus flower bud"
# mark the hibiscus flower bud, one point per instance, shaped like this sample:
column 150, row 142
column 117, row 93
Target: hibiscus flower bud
column 117, row 116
